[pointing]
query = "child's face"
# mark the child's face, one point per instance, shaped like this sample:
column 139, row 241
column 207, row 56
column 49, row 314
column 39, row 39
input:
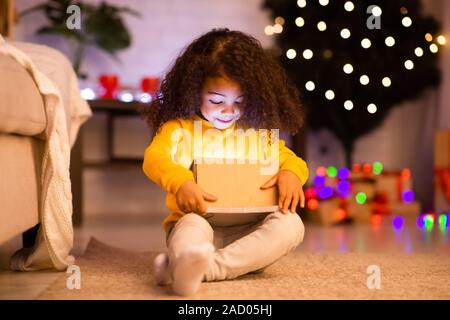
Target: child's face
column 221, row 100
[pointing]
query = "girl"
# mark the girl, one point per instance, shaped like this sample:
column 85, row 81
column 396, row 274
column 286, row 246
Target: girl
column 223, row 80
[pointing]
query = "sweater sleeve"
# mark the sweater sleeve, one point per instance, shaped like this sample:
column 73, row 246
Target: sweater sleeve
column 290, row 161
column 158, row 164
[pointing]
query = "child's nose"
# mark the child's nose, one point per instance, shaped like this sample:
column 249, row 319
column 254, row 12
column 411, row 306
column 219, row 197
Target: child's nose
column 228, row 109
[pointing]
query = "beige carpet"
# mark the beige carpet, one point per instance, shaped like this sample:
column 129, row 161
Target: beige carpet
column 113, row 273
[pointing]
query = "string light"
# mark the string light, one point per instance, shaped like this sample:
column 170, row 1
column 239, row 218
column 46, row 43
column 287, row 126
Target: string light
column 299, row 22
column 403, row 10
column 326, row 192
column 319, row 181
column 345, row 33
column 291, row 54
column 428, row 37
column 322, row 26
column 349, row 6
column 279, row 20
column 277, row 28
column 88, row 94
column 268, row 30
column 329, row 94
column 406, row 22
column 312, row 204
column 310, row 86
column 348, row 68
column 397, row 222
column 348, row 105
column 321, row 171
column 327, row 53
column 361, row 197
column 332, row 171
column 441, row 40
column 377, row 167
column 372, row 108
column 301, row 3
column 408, row 196
column 409, row 64
column 386, row 82
column 418, row 51
column 390, row 41
column 376, row 11
column 126, row 96
column 365, row 43
column 307, row 54
column 434, row 48
column 343, row 173
column 364, row 80
column 323, row 2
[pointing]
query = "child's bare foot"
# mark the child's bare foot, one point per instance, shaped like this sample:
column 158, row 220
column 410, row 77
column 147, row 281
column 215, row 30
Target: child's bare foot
column 161, row 269
column 190, row 268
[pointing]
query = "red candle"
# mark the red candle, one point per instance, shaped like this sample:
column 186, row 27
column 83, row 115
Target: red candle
column 150, row 85
column 109, row 83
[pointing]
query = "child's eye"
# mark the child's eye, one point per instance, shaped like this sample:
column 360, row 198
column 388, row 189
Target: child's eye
column 215, row 102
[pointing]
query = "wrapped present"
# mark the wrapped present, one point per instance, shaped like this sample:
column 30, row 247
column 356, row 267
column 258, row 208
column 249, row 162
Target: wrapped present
column 361, row 194
column 368, row 188
column 396, row 185
column 359, row 213
column 442, row 171
column 329, row 212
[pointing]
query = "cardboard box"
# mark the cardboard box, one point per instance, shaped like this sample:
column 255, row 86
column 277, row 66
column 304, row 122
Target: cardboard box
column 236, row 185
column 360, row 213
column 393, row 185
column 328, row 213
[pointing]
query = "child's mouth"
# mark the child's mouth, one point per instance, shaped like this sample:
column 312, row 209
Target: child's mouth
column 225, row 121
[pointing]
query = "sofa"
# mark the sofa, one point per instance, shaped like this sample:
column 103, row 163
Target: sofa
column 22, row 124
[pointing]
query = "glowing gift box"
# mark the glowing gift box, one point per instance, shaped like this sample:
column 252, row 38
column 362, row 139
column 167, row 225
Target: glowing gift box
column 236, row 184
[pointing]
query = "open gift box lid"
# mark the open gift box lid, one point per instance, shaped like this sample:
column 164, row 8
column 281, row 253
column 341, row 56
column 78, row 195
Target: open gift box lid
column 236, row 184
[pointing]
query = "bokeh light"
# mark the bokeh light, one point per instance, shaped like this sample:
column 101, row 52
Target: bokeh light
column 321, row 171
column 377, row 167
column 340, row 214
column 408, row 196
column 319, row 181
column 343, row 173
column 343, row 188
column 312, row 204
column 331, row 171
column 398, row 222
column 361, row 197
column 367, row 168
column 326, row 192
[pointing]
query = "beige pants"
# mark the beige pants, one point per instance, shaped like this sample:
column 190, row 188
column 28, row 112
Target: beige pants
column 240, row 249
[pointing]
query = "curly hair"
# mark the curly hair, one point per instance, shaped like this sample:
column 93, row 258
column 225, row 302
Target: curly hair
column 270, row 98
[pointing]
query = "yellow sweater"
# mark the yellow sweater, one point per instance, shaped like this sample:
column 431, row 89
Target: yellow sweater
column 169, row 156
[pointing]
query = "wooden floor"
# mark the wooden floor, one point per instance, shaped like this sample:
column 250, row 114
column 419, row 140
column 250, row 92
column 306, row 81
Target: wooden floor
column 125, row 210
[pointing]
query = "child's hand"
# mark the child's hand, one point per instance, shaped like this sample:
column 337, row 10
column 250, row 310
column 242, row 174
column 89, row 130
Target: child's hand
column 289, row 189
column 191, row 198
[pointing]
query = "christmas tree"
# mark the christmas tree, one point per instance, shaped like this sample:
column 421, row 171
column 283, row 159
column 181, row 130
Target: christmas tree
column 354, row 61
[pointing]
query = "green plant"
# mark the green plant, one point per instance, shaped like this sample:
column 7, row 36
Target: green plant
column 101, row 26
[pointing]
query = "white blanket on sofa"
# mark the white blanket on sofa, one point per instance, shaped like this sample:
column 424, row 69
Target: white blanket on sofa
column 55, row 236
